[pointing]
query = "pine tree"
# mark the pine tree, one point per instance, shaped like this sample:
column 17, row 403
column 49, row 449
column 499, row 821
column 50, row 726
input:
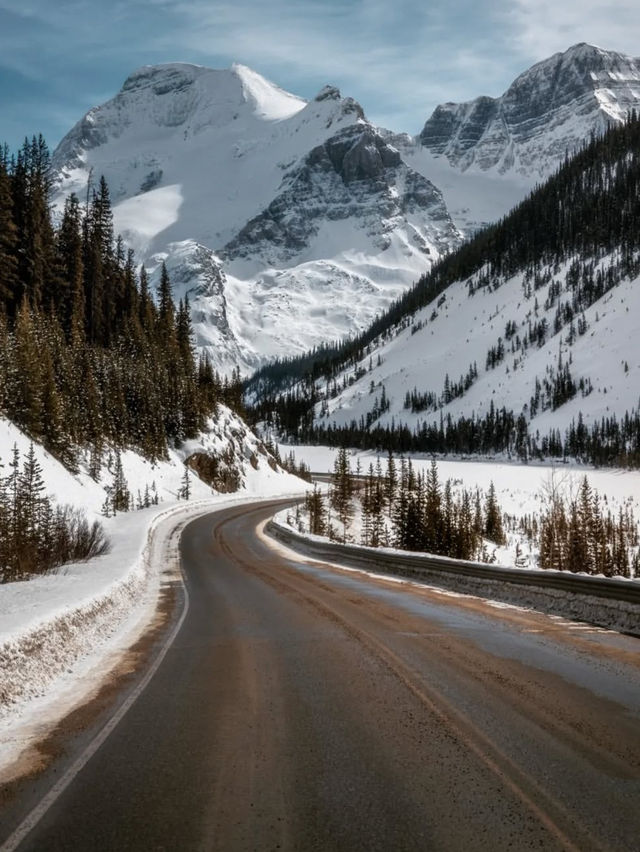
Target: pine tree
column 71, row 299
column 120, row 496
column 492, row 518
column 8, row 239
column 317, row 512
column 185, row 487
column 342, row 490
column 432, row 511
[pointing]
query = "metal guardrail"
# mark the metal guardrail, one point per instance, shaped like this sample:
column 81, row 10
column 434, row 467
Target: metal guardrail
column 423, row 566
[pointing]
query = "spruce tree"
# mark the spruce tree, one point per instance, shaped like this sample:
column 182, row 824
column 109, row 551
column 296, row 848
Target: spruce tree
column 492, row 518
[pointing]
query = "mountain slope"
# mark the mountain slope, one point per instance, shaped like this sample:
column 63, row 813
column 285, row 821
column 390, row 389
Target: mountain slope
column 538, row 315
column 513, row 141
column 295, row 209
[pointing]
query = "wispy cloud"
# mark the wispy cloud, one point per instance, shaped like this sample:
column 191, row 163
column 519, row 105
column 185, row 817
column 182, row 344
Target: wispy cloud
column 542, row 27
column 398, row 59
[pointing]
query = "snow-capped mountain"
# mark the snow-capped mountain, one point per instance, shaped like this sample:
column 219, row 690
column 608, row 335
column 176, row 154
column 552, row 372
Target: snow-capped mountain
column 487, row 153
column 265, row 208
column 291, row 223
column 537, row 316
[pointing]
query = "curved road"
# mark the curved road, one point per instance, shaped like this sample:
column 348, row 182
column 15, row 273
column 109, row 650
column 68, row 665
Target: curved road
column 301, row 707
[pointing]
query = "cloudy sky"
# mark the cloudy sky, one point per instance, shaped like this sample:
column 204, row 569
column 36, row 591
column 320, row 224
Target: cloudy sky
column 399, row 58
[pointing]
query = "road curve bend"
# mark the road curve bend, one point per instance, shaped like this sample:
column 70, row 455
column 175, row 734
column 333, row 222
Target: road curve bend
column 301, row 707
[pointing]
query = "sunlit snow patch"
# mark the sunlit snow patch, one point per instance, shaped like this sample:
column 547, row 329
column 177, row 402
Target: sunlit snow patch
column 143, row 217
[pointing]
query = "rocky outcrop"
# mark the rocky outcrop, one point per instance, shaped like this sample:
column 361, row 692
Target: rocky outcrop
column 353, row 175
column 548, row 111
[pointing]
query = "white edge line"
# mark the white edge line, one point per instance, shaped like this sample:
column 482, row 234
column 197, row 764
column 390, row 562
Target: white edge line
column 34, row 817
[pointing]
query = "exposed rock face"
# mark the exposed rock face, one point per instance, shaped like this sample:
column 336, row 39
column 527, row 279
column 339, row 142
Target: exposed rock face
column 286, row 222
column 222, row 472
column 353, row 175
column 548, row 111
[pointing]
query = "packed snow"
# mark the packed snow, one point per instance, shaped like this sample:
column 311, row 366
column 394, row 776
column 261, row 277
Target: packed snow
column 60, row 633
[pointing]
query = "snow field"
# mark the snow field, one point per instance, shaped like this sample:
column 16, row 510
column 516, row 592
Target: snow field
column 445, row 339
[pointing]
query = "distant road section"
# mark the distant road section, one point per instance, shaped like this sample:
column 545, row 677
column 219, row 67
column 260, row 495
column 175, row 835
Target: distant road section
column 301, row 707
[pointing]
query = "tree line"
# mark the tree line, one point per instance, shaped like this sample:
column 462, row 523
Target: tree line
column 608, row 441
column 407, row 510
column 35, row 534
column 416, row 512
column 88, row 359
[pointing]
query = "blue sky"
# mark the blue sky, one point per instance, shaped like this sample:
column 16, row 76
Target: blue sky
column 399, row 58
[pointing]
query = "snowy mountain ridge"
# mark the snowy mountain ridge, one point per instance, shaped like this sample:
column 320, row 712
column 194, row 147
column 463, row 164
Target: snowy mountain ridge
column 523, row 341
column 293, row 208
column 487, row 154
column 290, row 223
column 546, row 113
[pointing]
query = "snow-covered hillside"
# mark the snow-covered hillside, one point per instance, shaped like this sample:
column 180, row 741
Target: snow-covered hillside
column 485, row 154
column 63, row 632
column 241, row 459
column 441, row 344
column 266, row 208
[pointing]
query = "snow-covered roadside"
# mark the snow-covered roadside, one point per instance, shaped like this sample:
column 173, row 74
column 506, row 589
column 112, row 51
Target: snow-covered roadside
column 404, row 567
column 60, row 634
column 521, row 489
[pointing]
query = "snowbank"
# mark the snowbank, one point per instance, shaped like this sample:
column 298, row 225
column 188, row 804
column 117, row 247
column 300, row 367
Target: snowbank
column 61, row 632
column 548, row 591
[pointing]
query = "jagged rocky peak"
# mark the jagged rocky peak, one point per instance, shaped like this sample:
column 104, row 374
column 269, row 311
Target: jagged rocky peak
column 607, row 78
column 354, row 175
column 347, row 107
column 355, row 154
column 548, row 110
column 328, row 93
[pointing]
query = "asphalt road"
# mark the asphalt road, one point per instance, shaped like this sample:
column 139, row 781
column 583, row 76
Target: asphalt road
column 304, row 708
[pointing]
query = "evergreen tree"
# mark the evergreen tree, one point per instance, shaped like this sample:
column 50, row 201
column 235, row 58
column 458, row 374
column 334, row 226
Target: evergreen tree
column 8, row 239
column 185, row 486
column 342, row 488
column 314, row 504
column 120, row 496
column 492, row 519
